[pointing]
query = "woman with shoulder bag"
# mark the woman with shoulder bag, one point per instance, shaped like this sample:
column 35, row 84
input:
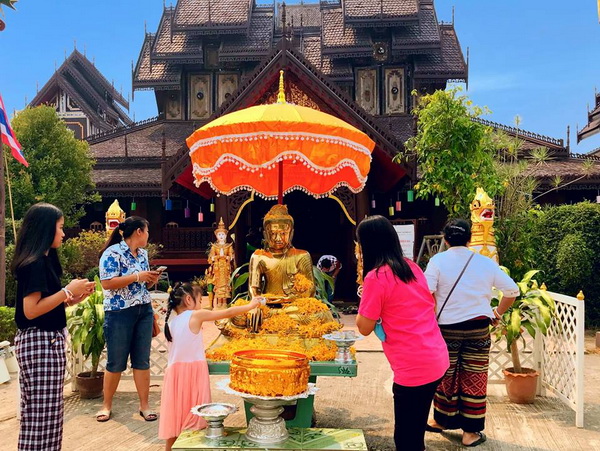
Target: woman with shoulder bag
column 41, row 320
column 128, row 322
column 395, row 291
column 462, row 283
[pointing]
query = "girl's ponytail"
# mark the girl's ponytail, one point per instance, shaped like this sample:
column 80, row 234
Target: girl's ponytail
column 175, row 298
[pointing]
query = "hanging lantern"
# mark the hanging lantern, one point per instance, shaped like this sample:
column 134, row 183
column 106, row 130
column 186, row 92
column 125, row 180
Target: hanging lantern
column 391, row 209
column 200, row 215
column 186, row 211
column 598, row 199
column 437, row 201
column 398, row 203
column 133, row 204
column 410, row 195
column 373, row 203
column 212, row 205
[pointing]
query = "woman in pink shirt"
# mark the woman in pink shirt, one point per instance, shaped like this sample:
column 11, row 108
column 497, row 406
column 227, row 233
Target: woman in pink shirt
column 396, row 291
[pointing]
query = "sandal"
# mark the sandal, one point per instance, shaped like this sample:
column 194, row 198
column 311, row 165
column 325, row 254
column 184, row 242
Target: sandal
column 482, row 438
column 430, row 428
column 103, row 416
column 148, row 415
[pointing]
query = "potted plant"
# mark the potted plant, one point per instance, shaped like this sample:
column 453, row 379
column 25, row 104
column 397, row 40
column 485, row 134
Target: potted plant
column 85, row 321
column 532, row 312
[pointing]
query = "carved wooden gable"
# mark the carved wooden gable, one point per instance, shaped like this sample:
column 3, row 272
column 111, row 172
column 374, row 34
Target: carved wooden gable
column 174, row 105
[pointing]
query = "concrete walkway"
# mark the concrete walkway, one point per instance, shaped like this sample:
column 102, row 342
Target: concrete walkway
column 363, row 402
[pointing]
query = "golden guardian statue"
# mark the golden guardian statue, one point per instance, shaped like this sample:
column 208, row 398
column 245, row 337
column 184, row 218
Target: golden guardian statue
column 482, row 228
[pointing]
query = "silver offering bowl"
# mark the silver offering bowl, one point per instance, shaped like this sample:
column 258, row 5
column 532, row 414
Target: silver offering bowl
column 214, row 413
column 343, row 339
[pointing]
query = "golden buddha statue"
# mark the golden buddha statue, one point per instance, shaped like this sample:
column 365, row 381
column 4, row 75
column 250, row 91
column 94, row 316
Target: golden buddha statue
column 280, row 271
column 221, row 260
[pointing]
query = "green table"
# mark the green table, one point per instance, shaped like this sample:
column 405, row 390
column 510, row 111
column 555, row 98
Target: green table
column 304, row 406
column 300, row 439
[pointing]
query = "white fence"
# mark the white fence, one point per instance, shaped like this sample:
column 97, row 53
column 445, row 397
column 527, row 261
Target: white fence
column 558, row 356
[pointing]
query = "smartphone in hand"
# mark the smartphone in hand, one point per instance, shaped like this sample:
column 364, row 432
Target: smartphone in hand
column 161, row 268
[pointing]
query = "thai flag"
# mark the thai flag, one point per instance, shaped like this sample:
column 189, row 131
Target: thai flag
column 8, row 136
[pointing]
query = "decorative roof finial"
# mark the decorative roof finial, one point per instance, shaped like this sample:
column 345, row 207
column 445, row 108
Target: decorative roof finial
column 281, row 94
column 453, row 7
column 568, row 137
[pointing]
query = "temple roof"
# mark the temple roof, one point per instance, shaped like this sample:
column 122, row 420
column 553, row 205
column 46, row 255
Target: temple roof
column 246, row 31
column 379, row 12
column 253, row 46
column 172, row 45
column 584, row 168
column 97, row 98
column 449, row 64
column 212, row 16
column 150, row 74
column 593, row 125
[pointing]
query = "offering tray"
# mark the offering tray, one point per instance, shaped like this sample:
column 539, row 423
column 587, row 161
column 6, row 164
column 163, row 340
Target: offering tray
column 266, row 427
column 214, row 413
column 343, row 339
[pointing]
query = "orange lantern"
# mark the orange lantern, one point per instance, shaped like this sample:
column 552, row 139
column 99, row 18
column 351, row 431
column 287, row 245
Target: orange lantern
column 275, row 149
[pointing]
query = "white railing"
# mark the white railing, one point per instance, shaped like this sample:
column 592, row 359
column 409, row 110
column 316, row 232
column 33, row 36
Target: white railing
column 557, row 356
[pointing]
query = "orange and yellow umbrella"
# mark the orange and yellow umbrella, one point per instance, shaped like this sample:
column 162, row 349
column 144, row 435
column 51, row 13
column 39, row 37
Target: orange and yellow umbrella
column 275, row 149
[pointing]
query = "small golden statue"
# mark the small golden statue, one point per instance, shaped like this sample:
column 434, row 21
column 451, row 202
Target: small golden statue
column 221, row 261
column 280, row 271
column 114, row 216
column 359, row 268
column 483, row 240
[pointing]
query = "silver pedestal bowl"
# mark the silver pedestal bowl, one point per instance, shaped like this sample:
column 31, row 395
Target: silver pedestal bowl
column 214, row 413
column 343, row 339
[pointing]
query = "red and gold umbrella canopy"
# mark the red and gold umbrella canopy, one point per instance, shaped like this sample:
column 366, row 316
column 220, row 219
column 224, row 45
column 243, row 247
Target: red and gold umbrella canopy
column 275, row 149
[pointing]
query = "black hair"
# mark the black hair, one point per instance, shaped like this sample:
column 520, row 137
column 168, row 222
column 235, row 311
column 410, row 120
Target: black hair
column 36, row 236
column 380, row 246
column 176, row 297
column 457, row 232
column 127, row 227
column 326, row 263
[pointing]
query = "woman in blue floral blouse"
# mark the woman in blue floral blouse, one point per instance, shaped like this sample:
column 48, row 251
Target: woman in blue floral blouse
column 125, row 275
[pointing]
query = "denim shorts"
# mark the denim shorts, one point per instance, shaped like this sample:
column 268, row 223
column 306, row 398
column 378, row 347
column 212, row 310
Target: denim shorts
column 128, row 332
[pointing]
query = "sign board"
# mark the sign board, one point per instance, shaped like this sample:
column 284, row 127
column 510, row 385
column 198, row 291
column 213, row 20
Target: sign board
column 406, row 235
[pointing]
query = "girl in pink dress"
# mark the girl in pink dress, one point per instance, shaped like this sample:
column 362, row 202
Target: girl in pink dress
column 186, row 383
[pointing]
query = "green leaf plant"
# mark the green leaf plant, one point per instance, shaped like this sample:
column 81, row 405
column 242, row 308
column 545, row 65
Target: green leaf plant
column 532, row 312
column 85, row 321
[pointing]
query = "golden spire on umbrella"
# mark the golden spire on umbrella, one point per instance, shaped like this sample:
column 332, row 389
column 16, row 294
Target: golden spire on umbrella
column 281, row 95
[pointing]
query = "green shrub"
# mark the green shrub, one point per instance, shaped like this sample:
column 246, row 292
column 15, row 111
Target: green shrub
column 11, row 282
column 567, row 249
column 81, row 254
column 8, row 328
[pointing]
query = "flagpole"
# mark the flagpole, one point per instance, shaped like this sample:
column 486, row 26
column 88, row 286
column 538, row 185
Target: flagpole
column 10, row 199
column 2, row 230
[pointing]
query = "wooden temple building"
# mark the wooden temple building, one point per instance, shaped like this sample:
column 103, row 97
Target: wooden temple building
column 357, row 60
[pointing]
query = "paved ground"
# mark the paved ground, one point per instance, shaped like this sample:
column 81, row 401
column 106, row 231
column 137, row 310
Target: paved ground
column 363, row 402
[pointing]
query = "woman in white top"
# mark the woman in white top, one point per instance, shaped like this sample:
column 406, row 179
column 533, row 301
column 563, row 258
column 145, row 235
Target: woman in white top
column 464, row 316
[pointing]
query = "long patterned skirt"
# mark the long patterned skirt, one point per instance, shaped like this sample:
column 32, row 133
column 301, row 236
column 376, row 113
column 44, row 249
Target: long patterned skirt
column 460, row 399
column 42, row 362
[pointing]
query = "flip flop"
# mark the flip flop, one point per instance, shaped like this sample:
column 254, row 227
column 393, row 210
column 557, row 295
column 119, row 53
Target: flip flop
column 482, row 438
column 148, row 415
column 430, row 428
column 103, row 416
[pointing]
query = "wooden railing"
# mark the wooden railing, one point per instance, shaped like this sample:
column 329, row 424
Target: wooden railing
column 190, row 239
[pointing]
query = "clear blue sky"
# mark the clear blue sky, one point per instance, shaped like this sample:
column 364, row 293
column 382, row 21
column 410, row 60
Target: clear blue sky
column 539, row 59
